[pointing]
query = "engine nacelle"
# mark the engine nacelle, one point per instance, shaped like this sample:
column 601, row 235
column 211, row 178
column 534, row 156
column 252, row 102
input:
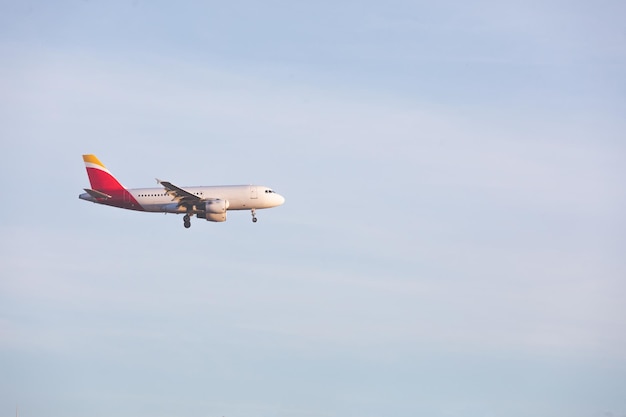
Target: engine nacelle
column 215, row 210
column 216, row 206
column 215, row 217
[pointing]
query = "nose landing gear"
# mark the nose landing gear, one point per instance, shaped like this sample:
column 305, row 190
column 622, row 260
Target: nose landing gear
column 254, row 219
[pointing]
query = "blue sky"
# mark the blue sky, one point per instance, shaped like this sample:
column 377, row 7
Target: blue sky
column 452, row 242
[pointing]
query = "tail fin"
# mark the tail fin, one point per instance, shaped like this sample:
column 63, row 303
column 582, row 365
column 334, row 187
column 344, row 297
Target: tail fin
column 100, row 177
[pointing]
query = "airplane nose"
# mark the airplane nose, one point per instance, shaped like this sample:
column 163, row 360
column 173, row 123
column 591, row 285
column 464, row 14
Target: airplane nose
column 281, row 199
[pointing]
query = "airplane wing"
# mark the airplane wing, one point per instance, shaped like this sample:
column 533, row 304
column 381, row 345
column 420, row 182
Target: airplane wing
column 181, row 196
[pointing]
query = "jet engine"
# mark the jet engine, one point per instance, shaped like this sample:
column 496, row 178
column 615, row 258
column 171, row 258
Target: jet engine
column 215, row 210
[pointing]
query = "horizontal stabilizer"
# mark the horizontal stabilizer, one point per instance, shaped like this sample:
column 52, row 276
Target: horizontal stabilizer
column 96, row 194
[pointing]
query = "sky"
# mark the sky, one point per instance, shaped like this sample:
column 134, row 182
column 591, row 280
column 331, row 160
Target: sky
column 453, row 237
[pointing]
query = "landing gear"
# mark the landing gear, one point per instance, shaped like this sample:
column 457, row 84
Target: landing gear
column 254, row 219
column 186, row 221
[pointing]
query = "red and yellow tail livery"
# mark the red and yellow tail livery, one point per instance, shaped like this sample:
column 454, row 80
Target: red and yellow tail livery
column 100, row 177
column 105, row 188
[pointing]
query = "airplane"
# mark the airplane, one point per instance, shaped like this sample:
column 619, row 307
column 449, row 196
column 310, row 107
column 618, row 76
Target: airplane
column 210, row 202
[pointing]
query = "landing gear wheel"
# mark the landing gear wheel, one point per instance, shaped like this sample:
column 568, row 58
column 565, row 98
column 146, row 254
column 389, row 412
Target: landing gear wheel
column 254, row 220
column 186, row 221
column 253, row 216
column 187, row 225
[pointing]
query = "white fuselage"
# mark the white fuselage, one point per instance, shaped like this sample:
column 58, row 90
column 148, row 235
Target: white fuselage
column 239, row 197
